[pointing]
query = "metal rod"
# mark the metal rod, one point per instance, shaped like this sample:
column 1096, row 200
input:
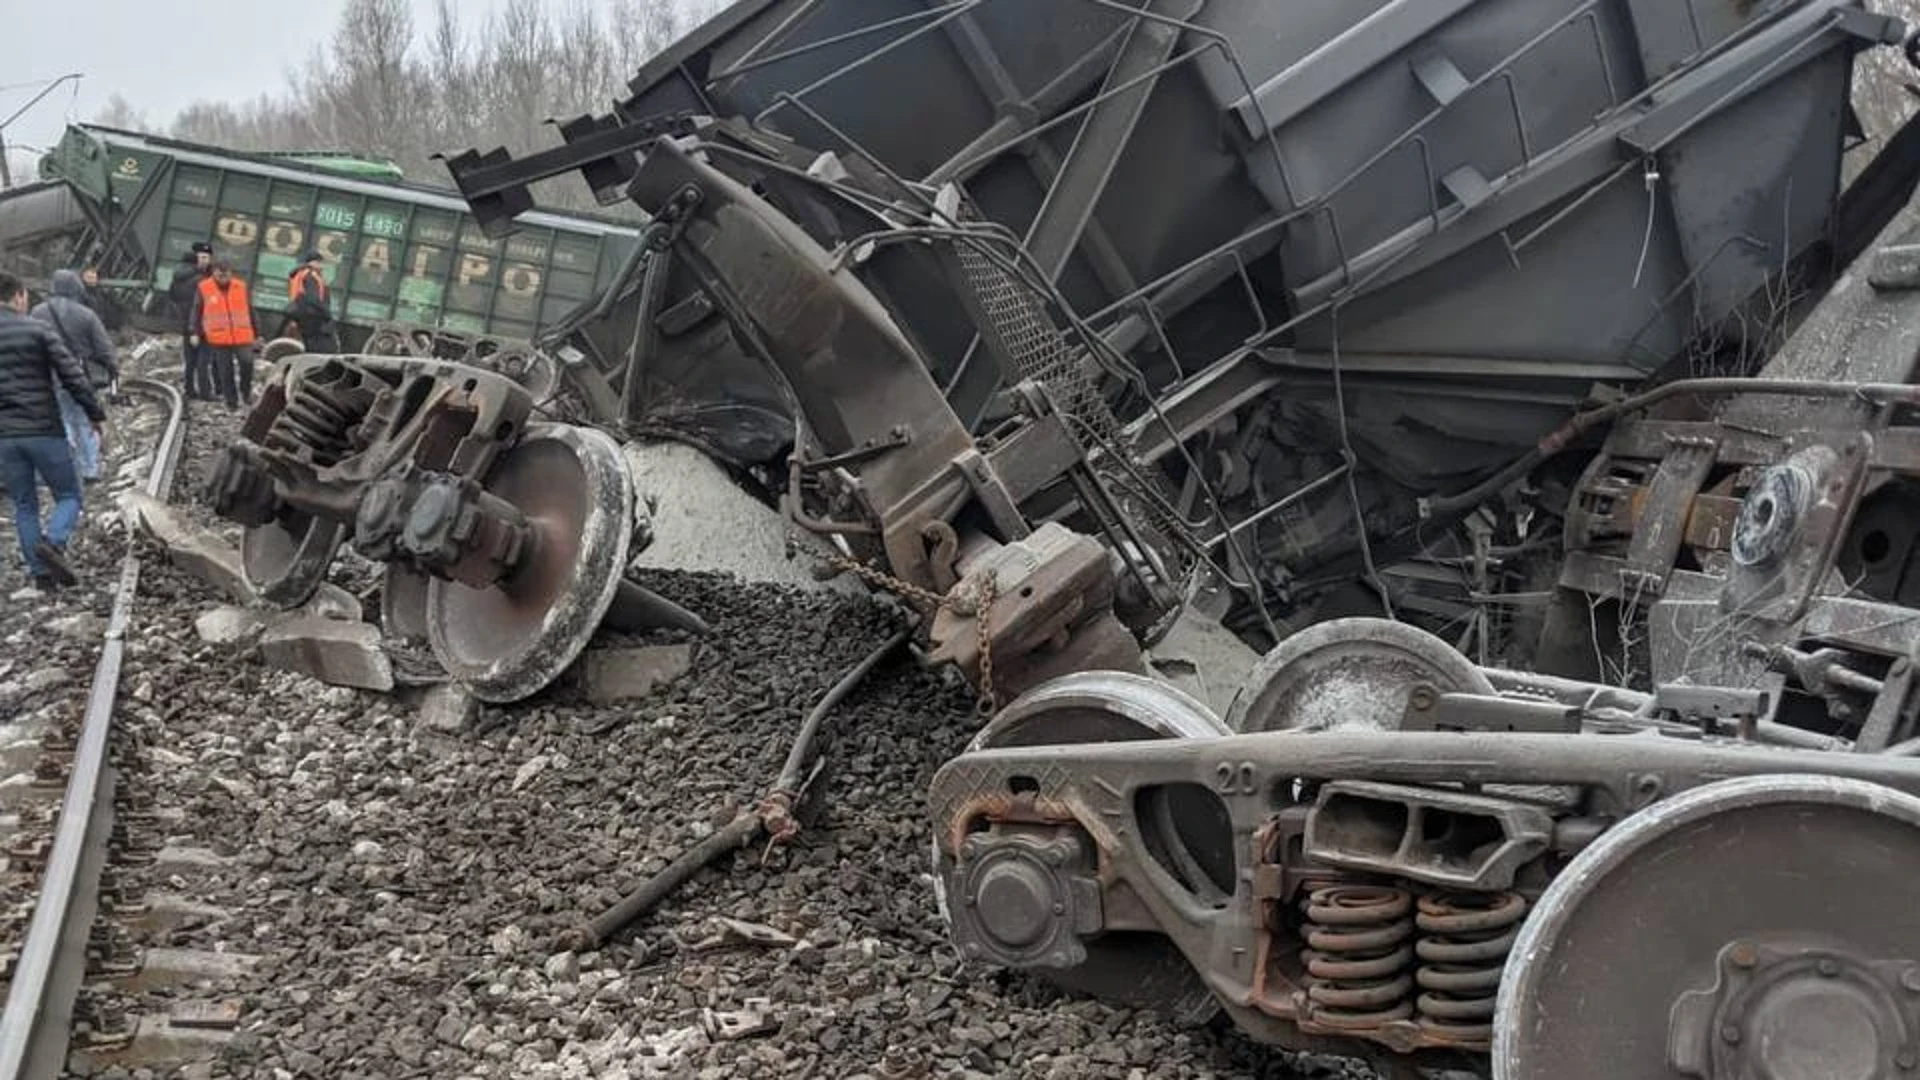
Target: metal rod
column 769, row 817
column 48, row 89
column 742, row 68
column 1282, row 503
column 953, row 11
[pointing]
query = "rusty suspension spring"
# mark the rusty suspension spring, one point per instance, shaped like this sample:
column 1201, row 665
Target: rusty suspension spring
column 1463, row 947
column 313, row 421
column 979, row 605
column 1359, row 955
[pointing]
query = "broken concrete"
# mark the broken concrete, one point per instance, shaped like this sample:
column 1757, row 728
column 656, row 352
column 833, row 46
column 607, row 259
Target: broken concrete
column 81, row 626
column 189, row 547
column 623, row 674
column 333, row 602
column 229, row 624
column 704, row 521
column 335, row 652
column 447, row 707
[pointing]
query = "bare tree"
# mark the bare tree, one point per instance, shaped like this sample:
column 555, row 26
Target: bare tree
column 377, row 88
column 454, row 114
column 120, row 113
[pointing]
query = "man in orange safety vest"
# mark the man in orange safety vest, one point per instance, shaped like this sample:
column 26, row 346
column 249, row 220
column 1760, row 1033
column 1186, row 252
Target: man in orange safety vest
column 223, row 322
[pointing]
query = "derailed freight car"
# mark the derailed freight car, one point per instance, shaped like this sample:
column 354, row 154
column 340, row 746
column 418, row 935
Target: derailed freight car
column 395, row 253
column 1310, row 247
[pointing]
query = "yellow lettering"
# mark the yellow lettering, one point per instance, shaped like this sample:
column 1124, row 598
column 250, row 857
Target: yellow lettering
column 236, row 231
column 332, row 245
column 378, row 256
column 474, row 268
column 284, row 239
column 423, row 261
column 520, row 280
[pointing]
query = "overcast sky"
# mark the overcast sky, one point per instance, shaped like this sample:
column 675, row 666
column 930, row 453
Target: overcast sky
column 161, row 54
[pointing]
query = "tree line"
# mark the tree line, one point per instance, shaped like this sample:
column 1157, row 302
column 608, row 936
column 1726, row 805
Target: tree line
column 386, row 87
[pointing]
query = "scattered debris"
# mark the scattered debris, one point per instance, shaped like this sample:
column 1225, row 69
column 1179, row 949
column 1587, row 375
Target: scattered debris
column 333, row 602
column 190, row 547
column 336, row 652
column 80, row 626
column 229, row 624
column 531, row 768
column 447, row 707
column 623, row 674
column 45, row 679
column 756, row 1018
column 562, row 966
column 732, row 932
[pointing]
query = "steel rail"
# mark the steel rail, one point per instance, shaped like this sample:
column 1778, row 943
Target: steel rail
column 37, row 1024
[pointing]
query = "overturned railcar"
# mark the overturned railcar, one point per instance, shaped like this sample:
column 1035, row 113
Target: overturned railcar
column 1331, row 259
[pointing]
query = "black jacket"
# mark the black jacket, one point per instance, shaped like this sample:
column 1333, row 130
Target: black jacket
column 31, row 358
column 112, row 315
column 78, row 328
column 184, row 292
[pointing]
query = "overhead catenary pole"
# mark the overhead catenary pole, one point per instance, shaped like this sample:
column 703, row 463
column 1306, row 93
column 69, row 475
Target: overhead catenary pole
column 6, row 170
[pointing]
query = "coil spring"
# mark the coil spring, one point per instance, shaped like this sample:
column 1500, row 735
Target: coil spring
column 1359, row 955
column 314, row 421
column 1465, row 939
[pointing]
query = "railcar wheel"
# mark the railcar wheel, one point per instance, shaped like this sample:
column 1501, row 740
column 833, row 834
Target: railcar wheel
column 280, row 348
column 1764, row 927
column 285, row 561
column 513, row 638
column 1352, row 674
column 1190, row 831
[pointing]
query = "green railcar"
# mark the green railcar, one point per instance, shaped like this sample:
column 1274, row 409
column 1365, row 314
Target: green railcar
column 394, row 252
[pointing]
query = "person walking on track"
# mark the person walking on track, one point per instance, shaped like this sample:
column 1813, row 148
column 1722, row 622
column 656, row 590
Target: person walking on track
column 194, row 268
column 86, row 338
column 223, row 322
column 307, row 305
column 33, row 445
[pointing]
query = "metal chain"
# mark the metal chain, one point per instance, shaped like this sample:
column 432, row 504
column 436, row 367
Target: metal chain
column 979, row 606
column 989, row 702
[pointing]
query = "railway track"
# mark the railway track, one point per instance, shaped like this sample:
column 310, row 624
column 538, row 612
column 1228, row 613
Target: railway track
column 51, row 962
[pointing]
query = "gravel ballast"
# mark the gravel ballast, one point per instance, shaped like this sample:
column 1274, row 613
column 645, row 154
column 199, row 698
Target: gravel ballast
column 403, row 881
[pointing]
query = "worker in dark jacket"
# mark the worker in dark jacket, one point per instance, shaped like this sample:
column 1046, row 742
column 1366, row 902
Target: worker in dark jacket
column 85, row 337
column 195, row 267
column 307, row 304
column 33, row 446
column 112, row 315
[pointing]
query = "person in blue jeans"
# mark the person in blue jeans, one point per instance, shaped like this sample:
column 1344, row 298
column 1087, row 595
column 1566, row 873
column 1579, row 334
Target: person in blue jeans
column 33, row 441
column 85, row 336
